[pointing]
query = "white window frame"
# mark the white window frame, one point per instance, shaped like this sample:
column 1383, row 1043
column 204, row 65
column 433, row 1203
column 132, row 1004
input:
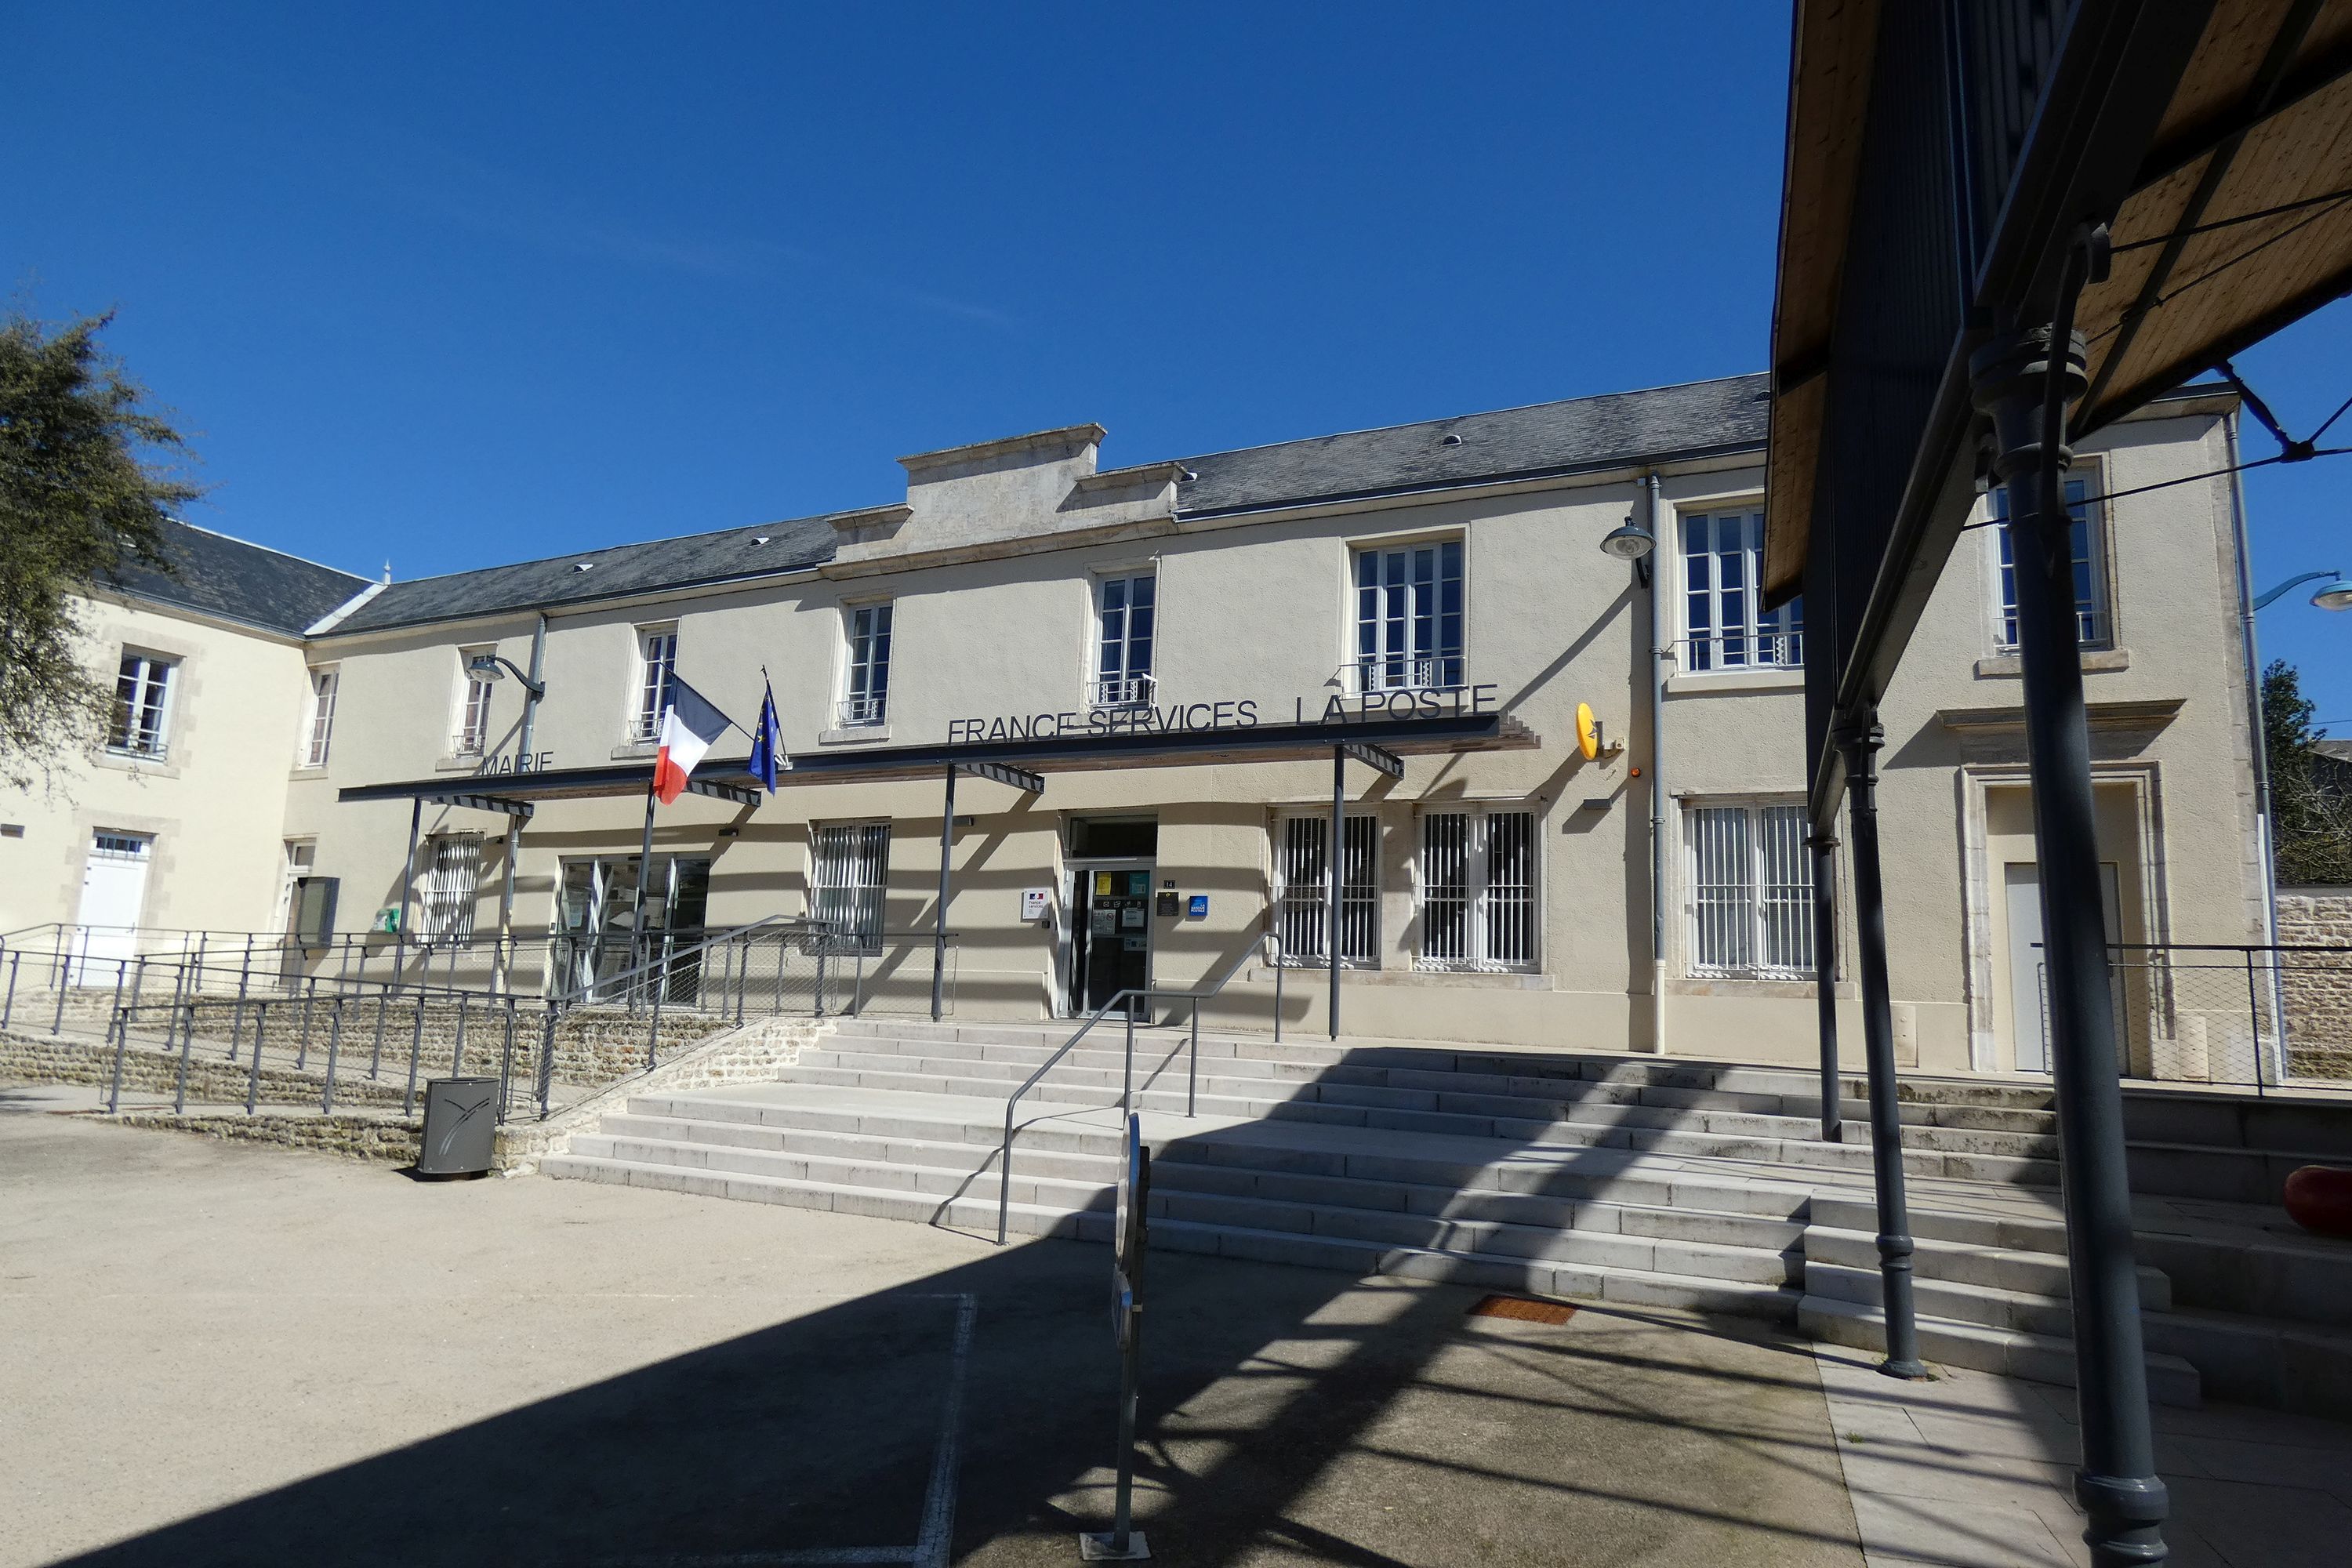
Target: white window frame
column 1302, row 918
column 1723, row 631
column 144, row 684
column 470, row 728
column 1121, row 680
column 451, row 886
column 849, row 880
column 1496, row 915
column 867, row 632
column 318, row 722
column 2094, row 609
column 1760, row 926
column 1397, row 620
column 656, row 669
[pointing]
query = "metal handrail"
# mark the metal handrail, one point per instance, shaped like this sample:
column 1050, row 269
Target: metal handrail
column 1127, row 1085
column 767, row 924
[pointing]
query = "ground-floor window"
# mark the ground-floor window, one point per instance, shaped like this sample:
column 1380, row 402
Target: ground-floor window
column 453, row 874
column 1476, row 891
column 849, row 873
column 1751, row 879
column 1302, row 846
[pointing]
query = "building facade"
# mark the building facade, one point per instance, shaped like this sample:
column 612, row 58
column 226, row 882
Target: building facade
column 1183, row 653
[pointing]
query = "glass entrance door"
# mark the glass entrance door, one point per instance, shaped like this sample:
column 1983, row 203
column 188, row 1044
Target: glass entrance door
column 597, row 910
column 1110, row 939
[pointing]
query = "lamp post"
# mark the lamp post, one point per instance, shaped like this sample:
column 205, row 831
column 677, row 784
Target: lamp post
column 493, row 668
column 2336, row 596
column 1632, row 542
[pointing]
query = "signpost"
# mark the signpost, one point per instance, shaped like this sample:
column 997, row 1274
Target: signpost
column 1123, row 1543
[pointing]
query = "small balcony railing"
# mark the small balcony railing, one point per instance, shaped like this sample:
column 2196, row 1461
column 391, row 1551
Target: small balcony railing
column 1711, row 653
column 1124, row 692
column 1403, row 672
column 864, row 713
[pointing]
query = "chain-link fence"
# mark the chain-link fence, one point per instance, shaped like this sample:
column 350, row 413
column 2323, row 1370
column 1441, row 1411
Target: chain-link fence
column 2243, row 1015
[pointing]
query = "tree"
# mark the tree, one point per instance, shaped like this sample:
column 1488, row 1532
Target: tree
column 2311, row 793
column 80, row 495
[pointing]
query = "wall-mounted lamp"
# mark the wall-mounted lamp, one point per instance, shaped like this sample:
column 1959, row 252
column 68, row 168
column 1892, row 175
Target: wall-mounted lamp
column 485, row 667
column 1629, row 541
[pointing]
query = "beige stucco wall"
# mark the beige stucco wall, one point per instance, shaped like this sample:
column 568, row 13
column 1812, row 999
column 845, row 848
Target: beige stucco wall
column 216, row 805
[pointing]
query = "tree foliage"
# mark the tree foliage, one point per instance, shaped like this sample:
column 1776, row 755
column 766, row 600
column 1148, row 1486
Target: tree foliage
column 81, row 494
column 2311, row 793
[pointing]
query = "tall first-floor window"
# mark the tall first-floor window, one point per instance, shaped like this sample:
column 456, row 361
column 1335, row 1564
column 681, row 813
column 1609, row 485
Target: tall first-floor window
column 1751, row 879
column 471, row 731
column 1724, row 620
column 1302, row 894
column 453, row 876
column 849, row 877
column 142, row 696
column 1123, row 650
column 2087, row 541
column 319, row 734
column 866, row 697
column 1409, row 618
column 1476, row 891
column 656, row 669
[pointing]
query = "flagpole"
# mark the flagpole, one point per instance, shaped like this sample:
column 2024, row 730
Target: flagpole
column 644, row 876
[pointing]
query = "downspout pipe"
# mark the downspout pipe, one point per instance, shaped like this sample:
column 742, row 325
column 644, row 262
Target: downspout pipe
column 2265, row 824
column 1662, row 653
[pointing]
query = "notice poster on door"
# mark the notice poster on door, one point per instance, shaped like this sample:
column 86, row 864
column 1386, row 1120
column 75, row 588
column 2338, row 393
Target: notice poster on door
column 1136, row 943
column 1131, row 917
column 1104, row 923
column 1102, row 884
column 1139, row 884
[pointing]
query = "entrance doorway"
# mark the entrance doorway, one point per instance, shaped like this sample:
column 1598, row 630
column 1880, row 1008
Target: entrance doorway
column 1111, row 861
column 2028, row 982
column 113, row 894
column 597, row 910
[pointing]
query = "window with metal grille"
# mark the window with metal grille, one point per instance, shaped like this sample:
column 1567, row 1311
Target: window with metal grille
column 1723, row 625
column 452, row 876
column 656, row 669
column 472, row 733
column 849, row 875
column 1302, row 896
column 868, row 698
column 1128, row 618
column 1751, row 879
column 2093, row 617
column 143, row 706
column 1409, row 621
column 1476, row 886
column 321, row 731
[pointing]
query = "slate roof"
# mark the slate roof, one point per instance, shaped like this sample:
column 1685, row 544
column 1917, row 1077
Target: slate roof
column 1544, row 438
column 621, row 569
column 228, row 577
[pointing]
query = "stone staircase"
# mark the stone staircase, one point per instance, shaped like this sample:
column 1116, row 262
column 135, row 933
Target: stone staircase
column 1619, row 1178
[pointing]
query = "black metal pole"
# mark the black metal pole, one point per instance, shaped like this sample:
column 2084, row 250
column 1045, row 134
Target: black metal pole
column 1333, row 877
column 1878, row 1048
column 939, row 929
column 641, row 951
column 407, row 886
column 1825, row 847
column 2019, row 381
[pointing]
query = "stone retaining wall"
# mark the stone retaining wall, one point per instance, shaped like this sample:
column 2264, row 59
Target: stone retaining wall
column 41, row 1059
column 2317, row 990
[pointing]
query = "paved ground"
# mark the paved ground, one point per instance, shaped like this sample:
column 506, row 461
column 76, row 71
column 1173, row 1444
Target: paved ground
column 216, row 1353
column 229, row 1353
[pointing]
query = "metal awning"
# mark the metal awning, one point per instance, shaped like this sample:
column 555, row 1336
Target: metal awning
column 730, row 779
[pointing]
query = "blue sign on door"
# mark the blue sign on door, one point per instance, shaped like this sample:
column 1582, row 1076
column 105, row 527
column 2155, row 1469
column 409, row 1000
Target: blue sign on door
column 1199, row 906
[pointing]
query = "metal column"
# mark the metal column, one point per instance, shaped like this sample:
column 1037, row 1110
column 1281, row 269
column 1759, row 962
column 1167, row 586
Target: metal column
column 1331, row 876
column 1824, row 849
column 2026, row 388
column 940, row 927
column 531, row 697
column 407, row 888
column 1878, row 1047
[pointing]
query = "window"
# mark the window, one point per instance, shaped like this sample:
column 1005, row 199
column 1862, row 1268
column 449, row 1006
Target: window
column 656, row 668
column 2094, row 623
column 1302, row 897
column 1477, row 891
column 1123, row 665
column 1723, row 585
column 320, row 732
column 142, row 706
column 472, row 733
column 452, row 876
column 867, row 699
column 850, row 871
column 1409, row 618
column 1751, row 892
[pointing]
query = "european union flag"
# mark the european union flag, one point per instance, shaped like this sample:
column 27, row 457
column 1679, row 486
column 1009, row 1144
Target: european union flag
column 768, row 757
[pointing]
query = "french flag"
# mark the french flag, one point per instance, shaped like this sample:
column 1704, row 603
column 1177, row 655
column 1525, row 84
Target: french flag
column 690, row 726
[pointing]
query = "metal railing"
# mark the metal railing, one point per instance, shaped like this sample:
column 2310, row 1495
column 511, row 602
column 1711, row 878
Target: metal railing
column 858, row 712
column 2234, row 1015
column 1768, row 649
column 1129, row 997
column 1123, row 691
column 1403, row 672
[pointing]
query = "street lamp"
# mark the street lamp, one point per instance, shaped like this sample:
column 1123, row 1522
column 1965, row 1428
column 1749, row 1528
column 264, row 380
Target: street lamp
column 1629, row 541
column 2336, row 596
column 485, row 667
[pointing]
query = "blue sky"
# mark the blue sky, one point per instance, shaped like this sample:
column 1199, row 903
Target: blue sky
column 450, row 285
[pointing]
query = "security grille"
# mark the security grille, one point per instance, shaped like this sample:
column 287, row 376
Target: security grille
column 1303, row 899
column 1751, row 892
column 1477, row 891
column 452, row 877
column 850, row 872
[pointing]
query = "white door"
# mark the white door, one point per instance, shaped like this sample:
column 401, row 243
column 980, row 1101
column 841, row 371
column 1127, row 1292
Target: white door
column 2028, row 990
column 113, row 891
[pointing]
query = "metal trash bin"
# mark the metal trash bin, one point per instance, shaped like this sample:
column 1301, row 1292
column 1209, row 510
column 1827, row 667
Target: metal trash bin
column 461, row 1123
